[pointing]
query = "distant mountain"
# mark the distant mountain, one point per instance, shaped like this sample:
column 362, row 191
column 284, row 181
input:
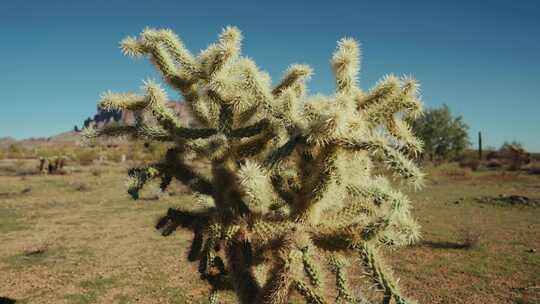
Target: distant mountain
column 6, row 141
column 99, row 120
column 103, row 118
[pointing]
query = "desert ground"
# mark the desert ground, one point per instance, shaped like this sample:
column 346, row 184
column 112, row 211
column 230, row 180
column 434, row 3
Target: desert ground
column 79, row 238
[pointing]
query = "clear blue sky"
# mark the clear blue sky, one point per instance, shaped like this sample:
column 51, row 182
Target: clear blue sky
column 482, row 58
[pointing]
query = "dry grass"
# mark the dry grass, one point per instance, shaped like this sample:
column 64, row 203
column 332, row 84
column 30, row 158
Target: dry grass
column 98, row 246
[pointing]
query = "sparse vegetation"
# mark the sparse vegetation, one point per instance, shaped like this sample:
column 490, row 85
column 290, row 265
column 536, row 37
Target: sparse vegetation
column 104, row 235
column 444, row 136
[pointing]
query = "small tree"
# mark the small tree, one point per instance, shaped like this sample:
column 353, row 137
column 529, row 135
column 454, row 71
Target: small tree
column 291, row 196
column 515, row 154
column 444, row 136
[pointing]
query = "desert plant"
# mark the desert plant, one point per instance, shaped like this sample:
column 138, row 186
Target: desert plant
column 291, row 196
column 16, row 151
column 87, row 157
column 515, row 154
column 444, row 136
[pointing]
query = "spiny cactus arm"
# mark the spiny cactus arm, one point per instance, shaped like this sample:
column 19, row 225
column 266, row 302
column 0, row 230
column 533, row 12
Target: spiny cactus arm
column 358, row 210
column 280, row 153
column 402, row 131
column 225, row 122
column 208, row 254
column 180, row 54
column 151, row 44
column 159, row 46
column 344, row 294
column 227, row 48
column 239, row 255
column 295, row 78
column 349, row 236
column 213, row 298
column 154, row 101
column 346, row 65
column 264, row 232
column 157, row 99
column 256, row 187
column 138, row 178
column 393, row 159
column 315, row 187
column 212, row 148
column 278, row 287
column 254, row 85
column 172, row 167
column 310, row 295
column 405, row 100
column 381, row 276
column 288, row 110
column 137, row 131
column 386, row 89
column 255, row 144
column 311, row 269
column 90, row 134
column 193, row 133
column 122, row 101
column 379, row 192
column 403, row 230
column 250, row 130
column 205, row 109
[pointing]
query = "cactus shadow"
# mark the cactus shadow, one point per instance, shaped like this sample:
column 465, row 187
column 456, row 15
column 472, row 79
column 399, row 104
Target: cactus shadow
column 6, row 300
column 444, row 245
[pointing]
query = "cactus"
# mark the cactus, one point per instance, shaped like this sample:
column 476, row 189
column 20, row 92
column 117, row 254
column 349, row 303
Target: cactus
column 291, row 198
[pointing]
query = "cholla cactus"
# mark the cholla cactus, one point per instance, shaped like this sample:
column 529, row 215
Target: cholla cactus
column 291, row 199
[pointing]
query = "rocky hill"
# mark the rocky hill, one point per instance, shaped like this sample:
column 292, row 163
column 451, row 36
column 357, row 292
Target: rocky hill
column 102, row 118
column 99, row 120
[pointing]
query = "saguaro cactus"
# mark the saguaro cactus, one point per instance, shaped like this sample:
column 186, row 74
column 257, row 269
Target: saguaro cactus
column 291, row 199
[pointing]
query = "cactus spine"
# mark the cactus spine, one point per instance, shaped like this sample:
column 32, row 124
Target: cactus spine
column 291, row 182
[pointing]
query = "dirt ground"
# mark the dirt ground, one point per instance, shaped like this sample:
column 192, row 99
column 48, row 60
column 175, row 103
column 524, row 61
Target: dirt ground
column 79, row 238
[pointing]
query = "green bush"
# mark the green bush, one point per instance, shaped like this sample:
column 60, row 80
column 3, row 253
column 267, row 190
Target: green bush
column 444, row 136
column 86, row 157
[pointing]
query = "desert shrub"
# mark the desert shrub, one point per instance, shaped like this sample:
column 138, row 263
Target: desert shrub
column 8, row 168
column 97, row 172
column 533, row 168
column 86, row 157
column 18, row 168
column 291, row 197
column 494, row 164
column 444, row 136
column 27, row 169
column 37, row 247
column 514, row 153
column 471, row 163
column 115, row 155
column 81, row 187
column 454, row 170
column 16, row 151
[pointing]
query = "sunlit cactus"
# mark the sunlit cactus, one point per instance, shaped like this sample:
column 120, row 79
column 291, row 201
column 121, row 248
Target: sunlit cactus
column 291, row 200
